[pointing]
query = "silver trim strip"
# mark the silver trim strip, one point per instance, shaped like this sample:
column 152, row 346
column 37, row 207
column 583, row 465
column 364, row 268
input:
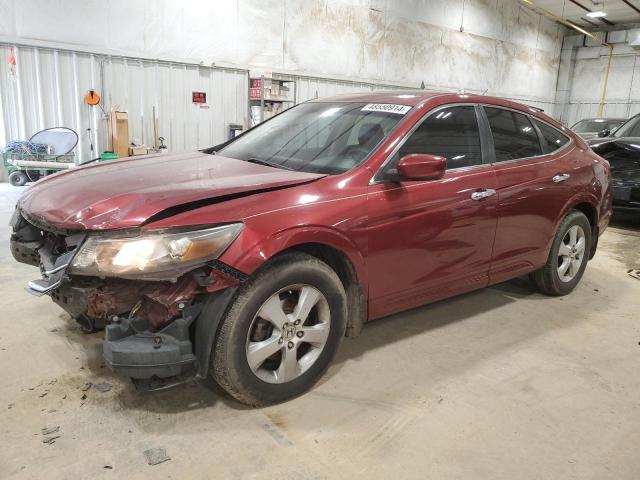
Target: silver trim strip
column 32, row 285
column 56, row 269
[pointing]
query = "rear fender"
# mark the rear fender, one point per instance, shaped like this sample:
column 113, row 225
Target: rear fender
column 577, row 199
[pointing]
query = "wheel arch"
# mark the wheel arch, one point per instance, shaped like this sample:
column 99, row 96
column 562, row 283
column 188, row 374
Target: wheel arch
column 342, row 265
column 588, row 206
column 325, row 243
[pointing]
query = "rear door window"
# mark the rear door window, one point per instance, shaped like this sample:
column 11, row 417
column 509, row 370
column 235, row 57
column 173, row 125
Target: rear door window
column 452, row 133
column 552, row 139
column 513, row 134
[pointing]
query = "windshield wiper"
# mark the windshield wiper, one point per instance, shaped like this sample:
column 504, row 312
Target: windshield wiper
column 268, row 164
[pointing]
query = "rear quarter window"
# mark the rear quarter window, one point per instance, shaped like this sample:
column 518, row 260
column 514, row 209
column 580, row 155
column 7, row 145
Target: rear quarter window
column 513, row 135
column 551, row 138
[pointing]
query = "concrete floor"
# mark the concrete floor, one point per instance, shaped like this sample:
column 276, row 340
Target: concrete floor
column 502, row 383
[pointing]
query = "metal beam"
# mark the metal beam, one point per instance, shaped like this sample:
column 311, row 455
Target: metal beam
column 632, row 5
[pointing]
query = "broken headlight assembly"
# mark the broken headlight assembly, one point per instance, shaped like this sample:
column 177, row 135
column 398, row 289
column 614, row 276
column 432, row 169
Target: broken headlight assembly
column 152, row 255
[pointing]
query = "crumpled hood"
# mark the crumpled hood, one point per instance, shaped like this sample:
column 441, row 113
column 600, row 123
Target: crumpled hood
column 126, row 193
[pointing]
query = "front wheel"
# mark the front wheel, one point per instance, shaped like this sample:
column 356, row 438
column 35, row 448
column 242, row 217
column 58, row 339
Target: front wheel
column 568, row 256
column 281, row 332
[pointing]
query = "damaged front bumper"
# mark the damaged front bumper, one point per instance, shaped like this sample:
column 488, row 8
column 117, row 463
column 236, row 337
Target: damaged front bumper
column 156, row 332
column 132, row 349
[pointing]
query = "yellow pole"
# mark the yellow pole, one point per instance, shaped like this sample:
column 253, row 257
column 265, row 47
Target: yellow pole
column 603, row 97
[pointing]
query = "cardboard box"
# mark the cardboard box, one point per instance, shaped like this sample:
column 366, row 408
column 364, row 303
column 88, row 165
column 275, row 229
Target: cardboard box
column 119, row 133
column 133, row 151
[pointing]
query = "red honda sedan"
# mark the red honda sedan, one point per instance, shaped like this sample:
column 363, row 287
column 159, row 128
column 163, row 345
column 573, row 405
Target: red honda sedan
column 251, row 260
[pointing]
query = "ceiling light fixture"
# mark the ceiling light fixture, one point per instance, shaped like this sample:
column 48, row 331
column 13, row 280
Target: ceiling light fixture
column 598, row 14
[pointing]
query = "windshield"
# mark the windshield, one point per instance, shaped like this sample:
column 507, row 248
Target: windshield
column 596, row 125
column 631, row 128
column 318, row 137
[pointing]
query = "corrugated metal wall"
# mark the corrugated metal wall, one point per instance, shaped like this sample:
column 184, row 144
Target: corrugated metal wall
column 48, row 87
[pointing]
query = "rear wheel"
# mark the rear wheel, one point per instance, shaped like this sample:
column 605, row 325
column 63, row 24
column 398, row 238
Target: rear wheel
column 18, row 178
column 281, row 332
column 568, row 256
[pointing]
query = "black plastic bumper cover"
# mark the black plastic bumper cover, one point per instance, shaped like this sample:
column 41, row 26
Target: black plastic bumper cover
column 132, row 350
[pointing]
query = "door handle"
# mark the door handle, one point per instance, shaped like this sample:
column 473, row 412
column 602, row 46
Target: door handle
column 561, row 177
column 484, row 193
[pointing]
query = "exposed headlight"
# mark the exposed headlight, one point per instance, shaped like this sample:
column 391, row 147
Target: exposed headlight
column 160, row 255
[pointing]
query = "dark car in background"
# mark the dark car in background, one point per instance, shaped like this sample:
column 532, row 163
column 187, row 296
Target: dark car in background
column 622, row 151
column 589, row 128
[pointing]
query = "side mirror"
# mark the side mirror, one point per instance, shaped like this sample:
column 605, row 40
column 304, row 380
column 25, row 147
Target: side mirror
column 421, row 166
column 604, row 133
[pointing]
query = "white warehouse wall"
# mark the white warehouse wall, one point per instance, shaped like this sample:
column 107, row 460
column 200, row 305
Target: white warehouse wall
column 504, row 47
column 334, row 46
column 585, row 68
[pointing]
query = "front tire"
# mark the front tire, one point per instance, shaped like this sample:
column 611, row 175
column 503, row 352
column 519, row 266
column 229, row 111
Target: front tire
column 568, row 257
column 281, row 332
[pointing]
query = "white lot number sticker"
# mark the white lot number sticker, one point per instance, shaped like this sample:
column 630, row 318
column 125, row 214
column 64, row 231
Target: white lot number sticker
column 386, row 107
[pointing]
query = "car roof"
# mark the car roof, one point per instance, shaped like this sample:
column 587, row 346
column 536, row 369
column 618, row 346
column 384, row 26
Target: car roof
column 401, row 97
column 610, row 119
column 416, row 97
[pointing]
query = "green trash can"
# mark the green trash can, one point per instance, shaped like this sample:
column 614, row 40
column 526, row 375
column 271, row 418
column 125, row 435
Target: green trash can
column 108, row 156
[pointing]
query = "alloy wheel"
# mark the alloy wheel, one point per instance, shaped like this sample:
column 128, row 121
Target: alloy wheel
column 288, row 333
column 571, row 253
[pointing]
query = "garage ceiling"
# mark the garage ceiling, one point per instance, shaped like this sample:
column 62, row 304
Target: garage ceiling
column 619, row 12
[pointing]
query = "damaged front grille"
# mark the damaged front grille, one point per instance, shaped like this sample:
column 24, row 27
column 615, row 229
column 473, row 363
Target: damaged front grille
column 48, row 249
column 93, row 301
column 149, row 325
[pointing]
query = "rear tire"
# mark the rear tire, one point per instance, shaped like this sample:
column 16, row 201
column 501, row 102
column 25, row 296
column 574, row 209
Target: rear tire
column 568, row 257
column 269, row 323
column 18, row 178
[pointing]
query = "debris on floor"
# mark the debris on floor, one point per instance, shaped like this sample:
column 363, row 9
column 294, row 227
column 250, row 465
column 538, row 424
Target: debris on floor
column 86, row 386
column 50, row 430
column 634, row 273
column 51, row 439
column 51, row 434
column 102, row 387
column 155, row 456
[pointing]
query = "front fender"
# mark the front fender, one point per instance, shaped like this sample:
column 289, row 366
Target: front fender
column 252, row 251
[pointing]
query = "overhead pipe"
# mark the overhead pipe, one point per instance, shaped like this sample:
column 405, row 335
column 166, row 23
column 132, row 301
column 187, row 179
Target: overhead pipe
column 553, row 16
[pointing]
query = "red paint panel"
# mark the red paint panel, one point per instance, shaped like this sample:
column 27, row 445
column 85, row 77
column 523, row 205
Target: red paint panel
column 429, row 239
